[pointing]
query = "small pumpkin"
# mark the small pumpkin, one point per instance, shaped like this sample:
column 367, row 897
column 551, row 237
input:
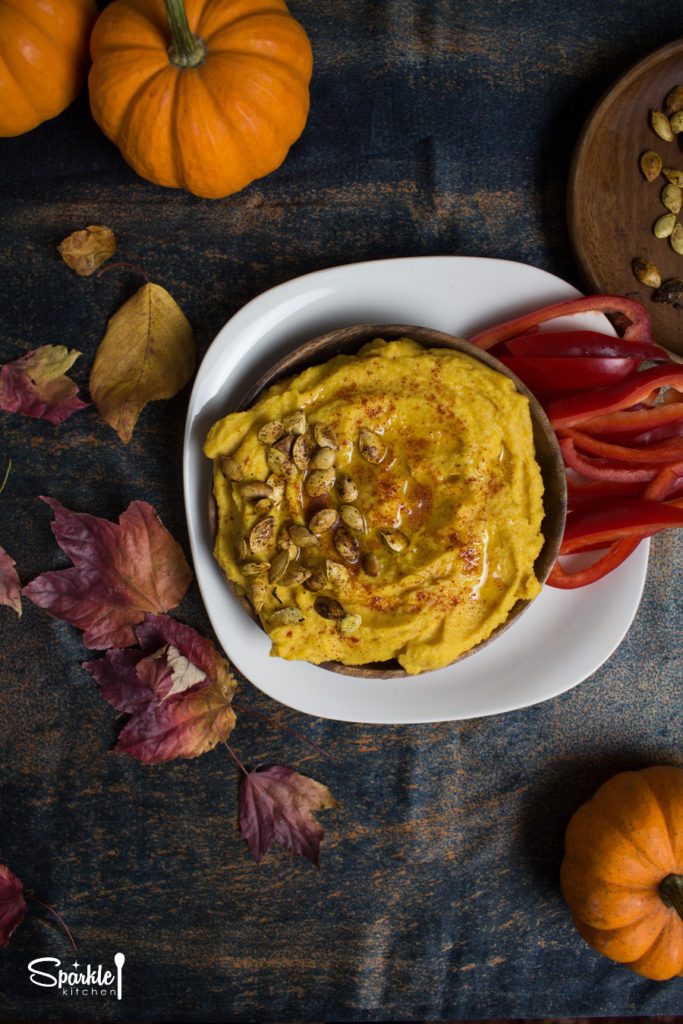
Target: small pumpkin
column 204, row 96
column 43, row 59
column 622, row 874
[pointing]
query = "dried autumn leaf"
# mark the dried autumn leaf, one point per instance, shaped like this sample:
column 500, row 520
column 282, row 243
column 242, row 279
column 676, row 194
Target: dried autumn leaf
column 147, row 353
column 10, row 588
column 12, row 903
column 36, row 385
column 277, row 805
column 176, row 687
column 119, row 573
column 85, row 251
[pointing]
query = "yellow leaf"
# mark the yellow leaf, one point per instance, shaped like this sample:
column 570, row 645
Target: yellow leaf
column 148, row 352
column 84, row 251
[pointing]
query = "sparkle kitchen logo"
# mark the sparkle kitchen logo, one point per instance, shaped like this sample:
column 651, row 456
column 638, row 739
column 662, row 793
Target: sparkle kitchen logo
column 81, row 980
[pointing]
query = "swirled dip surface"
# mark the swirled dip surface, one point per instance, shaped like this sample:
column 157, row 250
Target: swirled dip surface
column 434, row 451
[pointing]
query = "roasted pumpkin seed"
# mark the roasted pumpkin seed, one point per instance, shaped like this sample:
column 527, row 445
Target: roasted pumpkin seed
column 255, row 489
column 277, row 487
column 328, row 608
column 372, row 447
column 651, row 164
column 302, row 536
column 676, row 239
column 324, row 436
column 337, row 574
column 646, row 272
column 254, row 568
column 349, row 624
column 670, row 291
column 676, row 122
column 346, row 545
column 262, row 534
column 660, row 125
column 295, row 422
column 674, row 101
column 295, row 575
column 319, row 482
column 257, row 592
column 673, row 175
column 279, row 463
column 323, row 458
column 395, row 540
column 301, row 452
column 672, row 197
column 664, row 225
column 316, row 581
column 353, row 518
column 231, row 468
column 242, row 551
column 279, row 566
column 323, row 520
column 287, row 616
column 284, row 445
column 346, row 488
column 372, row 564
column 263, row 505
column 271, row 432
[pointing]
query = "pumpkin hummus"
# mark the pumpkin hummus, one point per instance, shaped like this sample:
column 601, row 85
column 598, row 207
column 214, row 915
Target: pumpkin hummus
column 383, row 505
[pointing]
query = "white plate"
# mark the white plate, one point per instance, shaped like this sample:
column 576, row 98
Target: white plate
column 558, row 642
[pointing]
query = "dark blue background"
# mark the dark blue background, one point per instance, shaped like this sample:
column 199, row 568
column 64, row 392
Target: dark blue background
column 435, row 127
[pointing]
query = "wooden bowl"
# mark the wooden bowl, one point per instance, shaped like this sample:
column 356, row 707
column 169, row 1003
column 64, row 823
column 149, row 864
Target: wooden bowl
column 348, row 341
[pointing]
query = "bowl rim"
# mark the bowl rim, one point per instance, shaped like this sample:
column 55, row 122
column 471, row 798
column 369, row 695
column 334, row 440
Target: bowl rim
column 347, row 341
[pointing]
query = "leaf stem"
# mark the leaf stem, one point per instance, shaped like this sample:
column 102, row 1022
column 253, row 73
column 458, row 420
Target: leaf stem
column 57, row 916
column 225, row 743
column 186, row 50
column 127, row 266
column 6, row 476
column 286, row 728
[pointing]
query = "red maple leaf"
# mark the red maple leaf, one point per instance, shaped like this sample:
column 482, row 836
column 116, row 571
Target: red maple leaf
column 176, row 687
column 36, row 384
column 277, row 805
column 120, row 573
column 12, row 903
column 10, row 588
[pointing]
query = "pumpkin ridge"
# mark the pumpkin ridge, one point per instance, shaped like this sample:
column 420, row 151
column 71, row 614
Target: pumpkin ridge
column 260, row 56
column 227, row 119
column 644, row 854
column 638, row 959
column 175, row 147
column 667, row 828
column 243, row 17
column 124, row 123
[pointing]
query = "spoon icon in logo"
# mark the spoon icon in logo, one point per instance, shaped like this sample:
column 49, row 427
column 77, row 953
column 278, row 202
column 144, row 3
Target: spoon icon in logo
column 119, row 960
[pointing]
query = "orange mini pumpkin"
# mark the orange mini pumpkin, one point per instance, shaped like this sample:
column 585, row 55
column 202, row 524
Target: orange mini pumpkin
column 622, row 874
column 204, row 96
column 43, row 59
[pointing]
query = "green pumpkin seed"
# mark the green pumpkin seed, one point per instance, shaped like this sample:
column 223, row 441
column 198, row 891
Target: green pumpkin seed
column 257, row 592
column 323, row 520
column 676, row 239
column 337, row 574
column 271, row 432
column 295, row 422
column 323, row 458
column 673, row 175
column 255, row 568
column 371, row 446
column 651, row 165
column 324, row 436
column 319, row 482
column 349, row 624
column 231, row 468
column 302, row 537
column 353, row 518
column 672, row 197
column 664, row 225
column 347, row 489
column 674, row 100
column 279, row 566
column 395, row 540
column 287, row 616
column 328, row 608
column 346, row 545
column 262, row 534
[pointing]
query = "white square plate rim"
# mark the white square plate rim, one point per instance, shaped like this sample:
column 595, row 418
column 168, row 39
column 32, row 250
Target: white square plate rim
column 562, row 638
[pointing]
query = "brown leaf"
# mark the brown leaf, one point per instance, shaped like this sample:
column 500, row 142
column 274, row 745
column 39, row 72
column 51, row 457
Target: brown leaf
column 147, row 353
column 10, row 589
column 277, row 805
column 84, row 251
column 119, row 573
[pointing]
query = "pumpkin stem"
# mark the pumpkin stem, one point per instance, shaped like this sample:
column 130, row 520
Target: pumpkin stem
column 186, row 50
column 671, row 892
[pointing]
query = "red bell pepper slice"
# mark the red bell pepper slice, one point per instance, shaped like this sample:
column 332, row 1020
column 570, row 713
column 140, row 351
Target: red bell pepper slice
column 583, row 343
column 581, row 494
column 601, row 469
column 634, row 421
column 621, row 453
column 576, row 373
column 638, row 329
column 618, row 519
column 613, row 557
column 570, row 412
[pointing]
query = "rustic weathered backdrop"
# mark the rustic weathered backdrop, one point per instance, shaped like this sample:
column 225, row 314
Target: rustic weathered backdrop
column 435, row 127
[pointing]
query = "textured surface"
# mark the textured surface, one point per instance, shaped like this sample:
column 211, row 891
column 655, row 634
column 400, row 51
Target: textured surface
column 436, row 127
